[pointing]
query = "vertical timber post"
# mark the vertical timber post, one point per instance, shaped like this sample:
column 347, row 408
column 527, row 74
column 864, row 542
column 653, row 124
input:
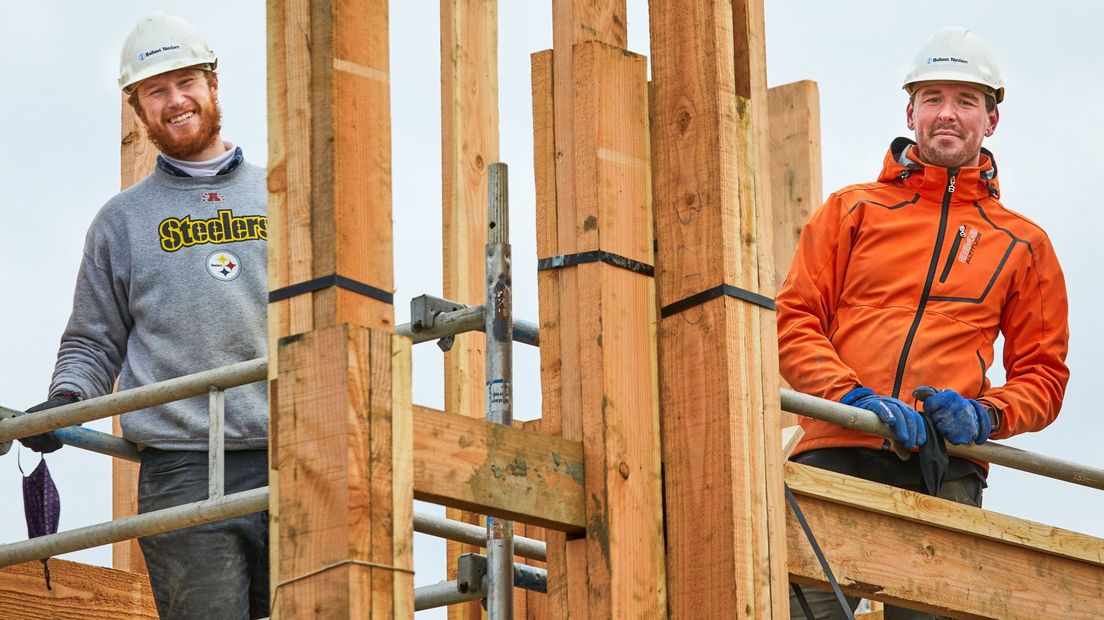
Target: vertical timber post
column 469, row 142
column 718, row 353
column 598, row 367
column 341, row 445
column 137, row 157
column 794, row 173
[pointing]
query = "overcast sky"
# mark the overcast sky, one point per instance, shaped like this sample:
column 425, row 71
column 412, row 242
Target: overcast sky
column 61, row 111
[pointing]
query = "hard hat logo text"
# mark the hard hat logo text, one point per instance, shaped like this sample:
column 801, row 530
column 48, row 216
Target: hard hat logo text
column 164, row 48
column 934, row 59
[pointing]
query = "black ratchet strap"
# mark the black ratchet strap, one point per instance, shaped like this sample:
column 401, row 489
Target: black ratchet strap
column 595, row 256
column 820, row 558
column 324, row 282
column 717, row 291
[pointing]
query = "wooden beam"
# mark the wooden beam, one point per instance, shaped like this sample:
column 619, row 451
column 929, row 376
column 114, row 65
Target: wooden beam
column 562, row 589
column 795, row 165
column 329, row 161
column 79, row 592
column 469, row 143
column 590, row 123
column 345, row 464
column 507, row 472
column 529, row 605
column 330, row 215
column 718, row 360
column 137, row 159
column 938, row 556
column 920, row 508
column 794, row 173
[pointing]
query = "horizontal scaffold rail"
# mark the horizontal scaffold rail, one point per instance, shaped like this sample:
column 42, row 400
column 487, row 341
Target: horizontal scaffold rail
column 198, row 513
column 990, row 452
column 256, row 370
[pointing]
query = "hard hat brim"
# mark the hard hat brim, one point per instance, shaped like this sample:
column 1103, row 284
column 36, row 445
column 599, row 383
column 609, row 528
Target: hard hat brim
column 957, row 77
column 183, row 63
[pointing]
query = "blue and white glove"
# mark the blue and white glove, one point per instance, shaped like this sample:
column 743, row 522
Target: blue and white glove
column 906, row 423
column 959, row 420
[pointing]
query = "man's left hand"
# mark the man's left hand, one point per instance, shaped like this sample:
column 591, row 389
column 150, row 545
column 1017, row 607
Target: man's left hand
column 959, row 420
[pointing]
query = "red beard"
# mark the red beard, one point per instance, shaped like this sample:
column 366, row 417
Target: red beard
column 210, row 124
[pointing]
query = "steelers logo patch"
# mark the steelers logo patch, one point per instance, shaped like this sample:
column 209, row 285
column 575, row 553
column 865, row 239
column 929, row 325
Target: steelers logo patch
column 223, row 265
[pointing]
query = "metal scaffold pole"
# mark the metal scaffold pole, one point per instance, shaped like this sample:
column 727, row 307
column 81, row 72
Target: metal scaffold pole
column 498, row 319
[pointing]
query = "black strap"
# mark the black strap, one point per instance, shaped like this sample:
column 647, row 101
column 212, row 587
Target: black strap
column 318, row 284
column 595, row 256
column 819, row 555
column 713, row 293
column 801, row 601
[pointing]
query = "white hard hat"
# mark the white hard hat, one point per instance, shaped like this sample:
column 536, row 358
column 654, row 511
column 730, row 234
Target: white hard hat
column 158, row 44
column 956, row 54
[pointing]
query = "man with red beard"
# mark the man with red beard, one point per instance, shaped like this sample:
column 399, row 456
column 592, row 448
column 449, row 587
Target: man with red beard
column 900, row 287
column 173, row 282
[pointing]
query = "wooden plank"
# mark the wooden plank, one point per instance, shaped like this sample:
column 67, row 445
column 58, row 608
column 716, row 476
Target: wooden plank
column 614, row 313
column 718, row 360
column 507, row 472
column 530, row 605
column 573, row 22
column 330, row 166
column 469, row 143
column 791, row 436
column 548, row 293
column 345, row 484
column 919, row 508
column 79, row 592
column 329, row 188
column 931, row 567
column 279, row 313
column 795, row 165
column 137, row 159
column 795, row 173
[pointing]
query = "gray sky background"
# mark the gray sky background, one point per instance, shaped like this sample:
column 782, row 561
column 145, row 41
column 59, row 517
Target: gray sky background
column 60, row 163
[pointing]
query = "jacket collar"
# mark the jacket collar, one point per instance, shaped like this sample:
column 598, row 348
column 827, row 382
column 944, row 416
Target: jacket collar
column 972, row 183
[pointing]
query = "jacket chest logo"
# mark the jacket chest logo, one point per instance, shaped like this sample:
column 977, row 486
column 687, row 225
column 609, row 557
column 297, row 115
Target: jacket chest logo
column 969, row 244
column 225, row 227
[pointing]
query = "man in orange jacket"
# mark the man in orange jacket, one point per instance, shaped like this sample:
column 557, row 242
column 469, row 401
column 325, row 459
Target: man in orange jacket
column 906, row 282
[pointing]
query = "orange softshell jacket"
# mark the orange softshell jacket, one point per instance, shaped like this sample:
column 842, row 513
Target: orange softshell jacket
column 907, row 282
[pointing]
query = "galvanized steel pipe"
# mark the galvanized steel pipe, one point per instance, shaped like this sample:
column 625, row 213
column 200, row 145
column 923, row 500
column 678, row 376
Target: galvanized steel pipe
column 475, row 535
column 134, row 399
column 465, row 320
column 498, row 321
column 157, row 522
column 990, row 452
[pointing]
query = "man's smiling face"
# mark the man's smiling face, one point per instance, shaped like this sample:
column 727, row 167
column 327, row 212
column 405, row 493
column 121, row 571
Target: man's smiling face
column 181, row 113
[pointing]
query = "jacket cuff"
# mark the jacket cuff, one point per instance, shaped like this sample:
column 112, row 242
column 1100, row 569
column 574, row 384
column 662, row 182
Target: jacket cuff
column 996, row 416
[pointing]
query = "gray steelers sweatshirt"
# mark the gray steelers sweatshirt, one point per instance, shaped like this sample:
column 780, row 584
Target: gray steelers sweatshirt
column 174, row 281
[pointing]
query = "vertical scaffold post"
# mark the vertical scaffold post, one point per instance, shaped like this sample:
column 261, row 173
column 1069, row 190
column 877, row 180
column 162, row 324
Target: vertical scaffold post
column 500, row 376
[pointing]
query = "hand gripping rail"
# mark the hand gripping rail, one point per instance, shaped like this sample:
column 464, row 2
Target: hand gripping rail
column 991, row 452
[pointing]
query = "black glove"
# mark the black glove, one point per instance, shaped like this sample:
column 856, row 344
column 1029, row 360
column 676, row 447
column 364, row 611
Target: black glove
column 46, row 442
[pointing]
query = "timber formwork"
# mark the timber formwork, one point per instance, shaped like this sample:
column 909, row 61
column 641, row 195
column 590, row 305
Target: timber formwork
column 705, row 176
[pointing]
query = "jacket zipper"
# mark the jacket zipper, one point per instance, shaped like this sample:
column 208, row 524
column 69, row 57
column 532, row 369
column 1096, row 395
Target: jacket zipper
column 944, row 212
column 951, row 255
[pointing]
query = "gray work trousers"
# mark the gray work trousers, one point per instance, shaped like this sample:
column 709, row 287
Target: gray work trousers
column 887, row 469
column 217, row 571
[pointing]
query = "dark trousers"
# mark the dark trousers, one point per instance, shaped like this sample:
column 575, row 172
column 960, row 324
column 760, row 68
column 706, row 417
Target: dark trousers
column 963, row 484
column 215, row 571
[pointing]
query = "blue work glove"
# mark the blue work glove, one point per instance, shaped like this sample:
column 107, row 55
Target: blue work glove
column 47, row 442
column 906, row 423
column 959, row 420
